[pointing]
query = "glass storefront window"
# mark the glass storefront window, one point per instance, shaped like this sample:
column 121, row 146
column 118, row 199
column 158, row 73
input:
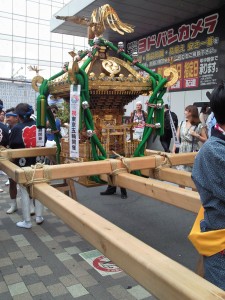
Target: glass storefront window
column 18, row 49
column 44, row 32
column 32, row 51
column 44, row 71
column 5, row 69
column 67, row 39
column 45, row 12
column 32, row 30
column 79, row 41
column 56, row 37
column 44, row 52
column 56, row 54
column 6, row 5
column 19, row 7
column 6, row 25
column 55, row 70
column 32, row 9
column 18, row 70
column 66, row 55
column 19, row 28
column 6, row 48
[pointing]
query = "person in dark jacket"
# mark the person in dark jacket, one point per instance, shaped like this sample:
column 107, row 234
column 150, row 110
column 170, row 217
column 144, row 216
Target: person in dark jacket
column 23, row 135
column 166, row 138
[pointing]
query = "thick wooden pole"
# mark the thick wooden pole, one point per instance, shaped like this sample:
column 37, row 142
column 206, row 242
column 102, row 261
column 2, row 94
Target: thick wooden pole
column 29, row 152
column 12, row 170
column 64, row 171
column 172, row 175
column 160, row 275
column 158, row 190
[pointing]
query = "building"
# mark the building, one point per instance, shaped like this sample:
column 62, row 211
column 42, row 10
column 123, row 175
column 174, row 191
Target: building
column 26, row 41
column 187, row 35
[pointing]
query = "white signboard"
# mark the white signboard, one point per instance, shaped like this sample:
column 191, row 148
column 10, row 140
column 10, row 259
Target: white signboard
column 74, row 120
column 40, row 137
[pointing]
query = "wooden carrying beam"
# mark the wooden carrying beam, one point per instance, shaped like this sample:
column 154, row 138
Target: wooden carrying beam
column 162, row 191
column 160, row 275
column 179, row 177
column 12, row 170
column 176, row 159
column 29, row 152
column 64, row 171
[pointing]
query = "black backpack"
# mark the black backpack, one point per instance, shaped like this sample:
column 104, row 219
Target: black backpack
column 167, row 120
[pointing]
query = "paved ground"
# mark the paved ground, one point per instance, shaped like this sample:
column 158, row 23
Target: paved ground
column 44, row 262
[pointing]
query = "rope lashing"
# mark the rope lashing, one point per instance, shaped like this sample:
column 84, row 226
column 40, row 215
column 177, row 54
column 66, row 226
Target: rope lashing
column 3, row 149
column 166, row 163
column 30, row 173
column 116, row 170
column 125, row 161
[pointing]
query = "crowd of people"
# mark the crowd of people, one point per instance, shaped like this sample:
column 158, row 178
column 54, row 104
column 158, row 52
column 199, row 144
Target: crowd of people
column 18, row 130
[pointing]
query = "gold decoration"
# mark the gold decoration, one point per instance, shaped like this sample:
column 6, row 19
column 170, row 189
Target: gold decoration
column 72, row 69
column 111, row 66
column 37, row 79
column 102, row 17
column 34, row 68
column 173, row 74
column 124, row 64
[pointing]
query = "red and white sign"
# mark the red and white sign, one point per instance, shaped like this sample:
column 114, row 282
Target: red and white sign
column 100, row 263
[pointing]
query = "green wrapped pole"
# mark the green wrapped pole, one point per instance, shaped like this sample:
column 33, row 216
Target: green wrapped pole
column 139, row 151
column 44, row 93
column 41, row 109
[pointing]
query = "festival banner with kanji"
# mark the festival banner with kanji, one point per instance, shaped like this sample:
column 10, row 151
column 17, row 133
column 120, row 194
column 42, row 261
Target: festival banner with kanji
column 195, row 48
column 74, row 120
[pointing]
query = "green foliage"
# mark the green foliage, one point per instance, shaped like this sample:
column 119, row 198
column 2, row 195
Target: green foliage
column 64, row 113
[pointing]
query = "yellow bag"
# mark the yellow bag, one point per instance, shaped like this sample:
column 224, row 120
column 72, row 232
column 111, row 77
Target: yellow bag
column 209, row 242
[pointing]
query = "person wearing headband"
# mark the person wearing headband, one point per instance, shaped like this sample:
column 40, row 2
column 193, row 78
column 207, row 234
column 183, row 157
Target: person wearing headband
column 138, row 117
column 23, row 135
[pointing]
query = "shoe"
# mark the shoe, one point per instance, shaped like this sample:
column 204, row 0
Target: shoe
column 7, row 182
column 24, row 224
column 39, row 220
column 12, row 209
column 123, row 196
column 109, row 191
column 1, row 190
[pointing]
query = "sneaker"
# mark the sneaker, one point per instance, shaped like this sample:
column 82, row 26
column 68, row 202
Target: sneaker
column 7, row 182
column 24, row 224
column 39, row 220
column 12, row 209
column 1, row 190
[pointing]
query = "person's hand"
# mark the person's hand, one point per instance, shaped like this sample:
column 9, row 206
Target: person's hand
column 194, row 133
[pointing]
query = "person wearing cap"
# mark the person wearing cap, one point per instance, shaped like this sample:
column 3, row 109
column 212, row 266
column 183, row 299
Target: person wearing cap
column 138, row 117
column 23, row 135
